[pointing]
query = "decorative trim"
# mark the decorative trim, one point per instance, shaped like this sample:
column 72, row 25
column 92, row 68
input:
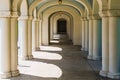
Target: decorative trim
column 5, row 14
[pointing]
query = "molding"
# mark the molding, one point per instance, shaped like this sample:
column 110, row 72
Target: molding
column 114, row 12
column 103, row 13
column 4, row 14
column 5, row 75
column 96, row 16
column 114, row 75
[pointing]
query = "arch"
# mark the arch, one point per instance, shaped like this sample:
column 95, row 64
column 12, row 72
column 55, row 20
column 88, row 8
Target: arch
column 76, row 18
column 83, row 2
column 95, row 8
column 24, row 8
column 53, row 20
column 47, row 5
column 103, row 4
column 16, row 5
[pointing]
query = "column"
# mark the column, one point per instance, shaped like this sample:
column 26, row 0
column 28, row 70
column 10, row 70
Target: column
column 40, row 32
column 90, row 55
column 105, row 44
column 23, row 26
column 35, row 34
column 83, row 34
column 30, row 38
column 96, row 23
column 14, row 46
column 5, row 51
column 114, row 44
column 86, row 35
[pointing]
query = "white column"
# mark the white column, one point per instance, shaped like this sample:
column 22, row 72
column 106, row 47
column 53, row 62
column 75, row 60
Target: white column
column 35, row 32
column 40, row 32
column 23, row 26
column 90, row 55
column 5, row 51
column 114, row 46
column 83, row 34
column 14, row 46
column 105, row 46
column 30, row 38
column 86, row 35
column 96, row 55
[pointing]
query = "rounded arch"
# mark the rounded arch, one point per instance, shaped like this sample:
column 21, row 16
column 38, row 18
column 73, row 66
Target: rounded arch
column 16, row 5
column 83, row 2
column 61, row 16
column 47, row 5
column 103, row 4
column 76, row 23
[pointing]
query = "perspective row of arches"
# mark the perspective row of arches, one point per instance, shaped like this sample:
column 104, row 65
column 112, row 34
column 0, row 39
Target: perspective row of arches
column 94, row 24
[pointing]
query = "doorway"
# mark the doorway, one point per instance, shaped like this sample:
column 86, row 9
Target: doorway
column 61, row 26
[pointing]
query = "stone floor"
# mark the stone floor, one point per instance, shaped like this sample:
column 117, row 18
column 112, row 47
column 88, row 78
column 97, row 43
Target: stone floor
column 59, row 62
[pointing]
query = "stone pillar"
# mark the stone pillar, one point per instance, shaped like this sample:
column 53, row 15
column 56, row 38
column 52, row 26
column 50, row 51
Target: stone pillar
column 14, row 46
column 5, row 52
column 30, row 38
column 90, row 55
column 40, row 32
column 114, row 44
column 96, row 21
column 105, row 44
column 83, row 34
column 35, row 34
column 23, row 26
column 86, row 35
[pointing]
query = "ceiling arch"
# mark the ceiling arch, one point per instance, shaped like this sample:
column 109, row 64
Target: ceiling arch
column 37, row 2
column 81, row 11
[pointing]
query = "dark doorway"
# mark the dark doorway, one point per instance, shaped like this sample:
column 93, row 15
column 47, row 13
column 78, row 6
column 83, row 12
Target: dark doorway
column 61, row 26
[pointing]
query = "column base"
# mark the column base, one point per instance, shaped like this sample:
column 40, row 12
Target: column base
column 114, row 75
column 30, row 57
column 103, row 73
column 15, row 73
column 37, row 49
column 96, row 58
column 5, row 75
column 89, row 57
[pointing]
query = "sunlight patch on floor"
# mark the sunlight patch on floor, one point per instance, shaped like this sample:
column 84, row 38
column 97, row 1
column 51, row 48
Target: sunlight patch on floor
column 55, row 41
column 47, row 55
column 50, row 48
column 41, row 69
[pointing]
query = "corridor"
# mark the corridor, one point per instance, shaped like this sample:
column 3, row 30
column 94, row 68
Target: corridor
column 59, row 61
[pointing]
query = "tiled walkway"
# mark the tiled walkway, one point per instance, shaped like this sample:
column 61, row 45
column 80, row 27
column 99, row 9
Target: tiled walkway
column 59, row 62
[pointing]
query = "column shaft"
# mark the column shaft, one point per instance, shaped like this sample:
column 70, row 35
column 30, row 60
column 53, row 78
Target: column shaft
column 105, row 47
column 83, row 35
column 96, row 55
column 5, row 48
column 23, row 26
column 114, row 47
column 86, row 35
column 14, row 47
column 90, row 39
column 30, row 39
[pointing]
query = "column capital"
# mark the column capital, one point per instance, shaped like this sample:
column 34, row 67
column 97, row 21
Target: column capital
column 103, row 13
column 90, row 17
column 14, row 14
column 114, row 12
column 5, row 14
column 96, row 16
column 23, row 17
column 30, row 17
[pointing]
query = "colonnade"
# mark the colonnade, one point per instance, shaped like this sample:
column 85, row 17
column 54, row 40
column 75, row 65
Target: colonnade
column 110, row 42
